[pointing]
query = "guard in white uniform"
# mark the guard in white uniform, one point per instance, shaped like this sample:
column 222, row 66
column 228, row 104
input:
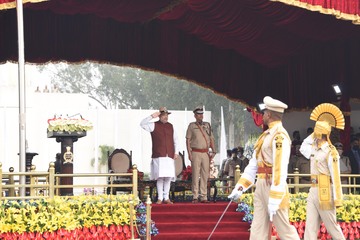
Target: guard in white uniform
column 325, row 193
column 165, row 147
column 270, row 162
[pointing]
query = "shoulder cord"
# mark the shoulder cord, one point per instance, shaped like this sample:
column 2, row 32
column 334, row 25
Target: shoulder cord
column 201, row 130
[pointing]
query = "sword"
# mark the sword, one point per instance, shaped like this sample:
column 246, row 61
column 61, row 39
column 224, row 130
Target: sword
column 222, row 215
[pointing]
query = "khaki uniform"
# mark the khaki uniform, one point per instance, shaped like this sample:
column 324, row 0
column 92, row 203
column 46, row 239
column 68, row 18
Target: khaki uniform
column 230, row 166
column 272, row 151
column 325, row 172
column 200, row 164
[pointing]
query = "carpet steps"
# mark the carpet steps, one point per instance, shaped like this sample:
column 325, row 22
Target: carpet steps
column 197, row 221
column 195, row 216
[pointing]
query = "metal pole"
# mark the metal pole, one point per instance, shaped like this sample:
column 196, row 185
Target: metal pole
column 135, row 181
column 51, row 180
column 296, row 180
column 148, row 218
column 21, row 80
column 1, row 193
column 11, row 182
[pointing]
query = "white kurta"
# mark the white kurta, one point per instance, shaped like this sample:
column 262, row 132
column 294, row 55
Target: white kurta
column 162, row 166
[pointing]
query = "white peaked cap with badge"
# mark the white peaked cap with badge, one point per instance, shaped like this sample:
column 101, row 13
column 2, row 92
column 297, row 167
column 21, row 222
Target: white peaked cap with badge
column 274, row 105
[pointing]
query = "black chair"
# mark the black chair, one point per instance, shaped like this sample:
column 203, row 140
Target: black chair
column 120, row 161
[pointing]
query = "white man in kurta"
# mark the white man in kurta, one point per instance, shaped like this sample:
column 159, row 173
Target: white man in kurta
column 165, row 147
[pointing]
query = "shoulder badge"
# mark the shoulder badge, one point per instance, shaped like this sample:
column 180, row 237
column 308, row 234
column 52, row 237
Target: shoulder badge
column 278, row 141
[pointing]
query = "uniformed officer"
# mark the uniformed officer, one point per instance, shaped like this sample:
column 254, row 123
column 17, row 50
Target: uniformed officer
column 201, row 149
column 325, row 193
column 230, row 165
column 270, row 161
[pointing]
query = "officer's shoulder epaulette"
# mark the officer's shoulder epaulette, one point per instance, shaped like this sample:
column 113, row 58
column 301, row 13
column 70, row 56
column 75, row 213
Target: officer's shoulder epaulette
column 334, row 153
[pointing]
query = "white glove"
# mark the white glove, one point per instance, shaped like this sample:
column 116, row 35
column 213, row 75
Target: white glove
column 236, row 193
column 272, row 208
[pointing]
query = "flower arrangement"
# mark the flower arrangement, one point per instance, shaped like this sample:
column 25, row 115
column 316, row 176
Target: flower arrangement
column 80, row 217
column 247, row 210
column 297, row 211
column 186, row 173
column 59, row 124
column 141, row 221
column 348, row 215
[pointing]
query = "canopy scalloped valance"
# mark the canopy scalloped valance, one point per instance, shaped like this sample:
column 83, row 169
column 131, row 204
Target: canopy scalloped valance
column 347, row 10
column 7, row 4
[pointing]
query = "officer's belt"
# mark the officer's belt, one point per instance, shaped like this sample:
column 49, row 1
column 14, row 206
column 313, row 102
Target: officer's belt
column 267, row 170
column 264, row 172
column 315, row 181
column 200, row 150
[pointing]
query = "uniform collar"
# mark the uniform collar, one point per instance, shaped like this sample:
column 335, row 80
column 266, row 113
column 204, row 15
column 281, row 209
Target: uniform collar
column 324, row 146
column 273, row 126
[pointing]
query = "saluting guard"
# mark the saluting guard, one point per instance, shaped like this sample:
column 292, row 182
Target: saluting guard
column 325, row 193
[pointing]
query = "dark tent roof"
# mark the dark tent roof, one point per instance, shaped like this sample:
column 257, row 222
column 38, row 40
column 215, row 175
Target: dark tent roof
column 242, row 49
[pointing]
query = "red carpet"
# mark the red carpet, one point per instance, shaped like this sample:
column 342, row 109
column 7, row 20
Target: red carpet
column 187, row 221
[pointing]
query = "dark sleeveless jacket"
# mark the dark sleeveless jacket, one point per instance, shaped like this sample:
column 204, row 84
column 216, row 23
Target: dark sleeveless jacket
column 163, row 140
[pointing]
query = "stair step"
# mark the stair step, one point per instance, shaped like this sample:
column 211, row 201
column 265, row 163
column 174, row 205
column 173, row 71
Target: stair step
column 195, row 216
column 205, row 226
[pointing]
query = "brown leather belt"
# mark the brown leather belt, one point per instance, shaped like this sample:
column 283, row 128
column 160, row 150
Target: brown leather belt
column 200, row 150
column 265, row 173
column 267, row 170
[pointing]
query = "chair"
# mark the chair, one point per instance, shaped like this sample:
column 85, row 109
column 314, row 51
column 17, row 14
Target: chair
column 120, row 161
column 179, row 185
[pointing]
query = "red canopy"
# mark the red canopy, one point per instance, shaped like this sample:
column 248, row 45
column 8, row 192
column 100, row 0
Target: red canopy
column 242, row 49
